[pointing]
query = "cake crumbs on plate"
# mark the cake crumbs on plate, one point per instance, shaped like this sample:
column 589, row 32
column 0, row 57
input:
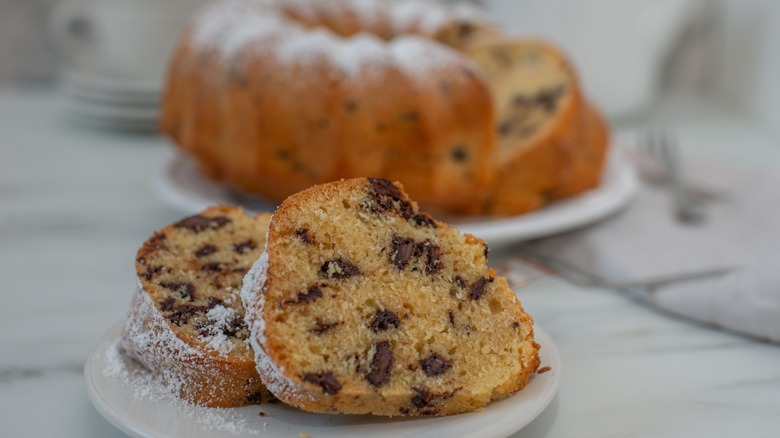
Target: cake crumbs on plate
column 543, row 370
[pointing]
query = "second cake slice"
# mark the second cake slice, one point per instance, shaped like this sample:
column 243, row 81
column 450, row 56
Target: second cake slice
column 363, row 304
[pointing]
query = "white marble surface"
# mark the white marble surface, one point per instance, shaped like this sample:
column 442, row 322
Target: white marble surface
column 76, row 202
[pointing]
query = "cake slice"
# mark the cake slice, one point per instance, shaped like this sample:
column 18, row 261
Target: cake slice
column 362, row 304
column 186, row 319
column 545, row 150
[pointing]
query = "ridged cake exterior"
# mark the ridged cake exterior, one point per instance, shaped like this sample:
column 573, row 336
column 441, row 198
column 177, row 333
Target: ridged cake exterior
column 275, row 96
column 362, row 304
column 186, row 319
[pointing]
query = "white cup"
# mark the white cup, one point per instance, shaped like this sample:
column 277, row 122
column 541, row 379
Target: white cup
column 120, row 38
column 618, row 46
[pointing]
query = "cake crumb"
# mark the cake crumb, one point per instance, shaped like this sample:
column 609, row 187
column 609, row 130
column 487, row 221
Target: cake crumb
column 262, row 414
column 543, row 370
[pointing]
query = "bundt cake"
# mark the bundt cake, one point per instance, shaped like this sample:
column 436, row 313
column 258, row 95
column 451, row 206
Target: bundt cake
column 186, row 320
column 363, row 304
column 274, row 96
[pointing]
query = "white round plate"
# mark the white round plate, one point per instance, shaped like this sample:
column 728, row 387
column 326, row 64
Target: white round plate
column 181, row 184
column 95, row 85
column 130, row 409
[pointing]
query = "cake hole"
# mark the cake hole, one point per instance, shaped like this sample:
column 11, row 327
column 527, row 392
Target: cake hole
column 495, row 306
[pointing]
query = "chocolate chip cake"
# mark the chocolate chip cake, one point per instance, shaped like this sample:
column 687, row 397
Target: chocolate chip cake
column 363, row 304
column 186, row 320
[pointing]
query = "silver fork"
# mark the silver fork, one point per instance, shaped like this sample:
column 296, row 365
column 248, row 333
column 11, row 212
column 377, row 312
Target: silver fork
column 663, row 148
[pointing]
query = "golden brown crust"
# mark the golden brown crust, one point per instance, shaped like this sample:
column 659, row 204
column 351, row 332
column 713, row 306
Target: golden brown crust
column 362, row 304
column 186, row 319
column 262, row 124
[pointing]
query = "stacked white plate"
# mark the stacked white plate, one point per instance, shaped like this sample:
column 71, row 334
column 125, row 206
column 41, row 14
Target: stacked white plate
column 110, row 101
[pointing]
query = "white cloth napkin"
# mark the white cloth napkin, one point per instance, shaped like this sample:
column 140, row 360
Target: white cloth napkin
column 742, row 229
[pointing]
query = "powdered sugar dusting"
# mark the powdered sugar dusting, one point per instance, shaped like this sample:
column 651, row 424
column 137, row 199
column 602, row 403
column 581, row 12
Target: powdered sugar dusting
column 308, row 47
column 359, row 51
column 418, row 55
column 253, row 298
column 185, row 370
column 367, row 11
column 231, row 25
column 423, row 16
column 220, row 318
column 146, row 386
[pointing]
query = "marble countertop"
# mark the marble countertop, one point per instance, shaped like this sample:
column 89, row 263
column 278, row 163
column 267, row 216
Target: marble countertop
column 76, row 202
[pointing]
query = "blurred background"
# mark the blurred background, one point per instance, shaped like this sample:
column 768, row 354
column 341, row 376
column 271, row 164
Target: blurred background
column 629, row 52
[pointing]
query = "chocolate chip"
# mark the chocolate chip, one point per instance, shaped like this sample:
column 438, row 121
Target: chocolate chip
column 383, row 320
column 381, row 364
column 212, row 267
column 179, row 313
column 326, row 380
column 465, row 29
column 452, row 317
column 205, row 250
column 168, row 304
column 151, row 272
column 548, row 99
column 303, row 234
column 158, row 241
column 245, row 246
column 404, row 411
column 505, row 127
column 236, row 325
column 422, row 398
column 522, row 101
column 322, row 327
column 213, row 302
column 432, row 255
column 312, row 293
column 459, row 154
column 410, row 116
column 387, row 197
column 515, row 325
column 385, row 188
column 403, row 249
column 185, row 290
column 339, row 269
column 435, row 364
column 479, row 288
column 424, row 220
column 256, row 398
column 486, row 251
column 199, row 223
column 460, row 282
